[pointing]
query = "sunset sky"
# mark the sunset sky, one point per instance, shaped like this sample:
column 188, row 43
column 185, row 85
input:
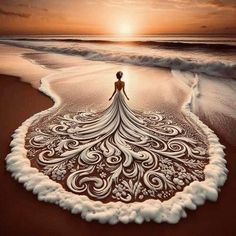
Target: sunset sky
column 133, row 17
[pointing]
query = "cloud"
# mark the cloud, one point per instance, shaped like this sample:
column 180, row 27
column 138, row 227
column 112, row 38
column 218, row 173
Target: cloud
column 216, row 3
column 230, row 29
column 32, row 7
column 219, row 4
column 167, row 4
column 15, row 14
column 141, row 4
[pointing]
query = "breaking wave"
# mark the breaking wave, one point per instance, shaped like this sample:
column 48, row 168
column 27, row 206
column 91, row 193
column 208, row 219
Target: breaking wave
column 221, row 68
column 178, row 44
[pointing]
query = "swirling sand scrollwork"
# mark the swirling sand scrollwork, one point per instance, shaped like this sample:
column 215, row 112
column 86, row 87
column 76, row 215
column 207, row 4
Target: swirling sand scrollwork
column 118, row 154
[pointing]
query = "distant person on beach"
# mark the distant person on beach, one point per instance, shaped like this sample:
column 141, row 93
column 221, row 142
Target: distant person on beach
column 119, row 85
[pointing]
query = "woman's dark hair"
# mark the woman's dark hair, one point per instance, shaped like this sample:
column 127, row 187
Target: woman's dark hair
column 119, row 74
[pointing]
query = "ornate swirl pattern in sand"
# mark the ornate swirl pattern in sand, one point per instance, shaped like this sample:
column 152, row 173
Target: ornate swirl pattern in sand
column 118, row 154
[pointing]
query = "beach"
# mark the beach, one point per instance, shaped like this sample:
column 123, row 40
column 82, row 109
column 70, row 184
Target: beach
column 16, row 202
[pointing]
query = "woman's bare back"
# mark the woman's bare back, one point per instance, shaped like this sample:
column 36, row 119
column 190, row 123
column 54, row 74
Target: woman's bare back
column 119, row 85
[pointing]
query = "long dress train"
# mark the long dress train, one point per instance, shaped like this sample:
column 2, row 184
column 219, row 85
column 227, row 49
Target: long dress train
column 118, row 154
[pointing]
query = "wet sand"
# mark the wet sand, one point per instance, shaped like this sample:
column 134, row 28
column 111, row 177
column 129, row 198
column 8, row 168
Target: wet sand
column 12, row 62
column 23, row 214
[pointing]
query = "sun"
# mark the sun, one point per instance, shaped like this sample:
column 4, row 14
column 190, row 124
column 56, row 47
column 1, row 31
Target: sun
column 125, row 30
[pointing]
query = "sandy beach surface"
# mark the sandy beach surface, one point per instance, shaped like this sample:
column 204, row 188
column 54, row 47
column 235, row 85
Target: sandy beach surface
column 23, row 214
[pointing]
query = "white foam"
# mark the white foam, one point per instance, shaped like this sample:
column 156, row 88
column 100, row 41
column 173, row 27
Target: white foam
column 113, row 212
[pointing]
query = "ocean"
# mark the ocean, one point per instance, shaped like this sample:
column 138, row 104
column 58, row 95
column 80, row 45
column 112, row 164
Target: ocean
column 214, row 56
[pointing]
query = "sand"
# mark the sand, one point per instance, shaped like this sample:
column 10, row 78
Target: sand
column 23, row 214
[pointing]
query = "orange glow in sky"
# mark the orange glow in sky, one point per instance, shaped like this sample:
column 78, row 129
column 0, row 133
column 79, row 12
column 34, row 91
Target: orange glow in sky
column 117, row 17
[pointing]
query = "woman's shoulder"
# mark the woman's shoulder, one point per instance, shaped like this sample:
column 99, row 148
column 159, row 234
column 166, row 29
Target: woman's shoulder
column 119, row 82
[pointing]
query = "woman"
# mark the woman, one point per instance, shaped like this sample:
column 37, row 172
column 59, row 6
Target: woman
column 119, row 85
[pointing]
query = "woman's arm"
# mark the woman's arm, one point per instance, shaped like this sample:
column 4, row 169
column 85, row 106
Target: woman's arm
column 125, row 92
column 113, row 93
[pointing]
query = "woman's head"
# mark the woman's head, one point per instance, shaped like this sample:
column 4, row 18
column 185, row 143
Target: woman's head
column 119, row 75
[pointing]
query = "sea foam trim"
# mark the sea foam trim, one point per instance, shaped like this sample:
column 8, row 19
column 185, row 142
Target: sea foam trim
column 169, row 211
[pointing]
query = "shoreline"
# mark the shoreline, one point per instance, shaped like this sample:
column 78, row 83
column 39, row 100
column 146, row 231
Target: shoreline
column 207, row 212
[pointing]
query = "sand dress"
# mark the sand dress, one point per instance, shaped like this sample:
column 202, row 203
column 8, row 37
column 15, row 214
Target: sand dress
column 119, row 154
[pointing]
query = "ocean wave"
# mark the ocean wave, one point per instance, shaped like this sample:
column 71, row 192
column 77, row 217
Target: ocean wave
column 173, row 44
column 212, row 68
